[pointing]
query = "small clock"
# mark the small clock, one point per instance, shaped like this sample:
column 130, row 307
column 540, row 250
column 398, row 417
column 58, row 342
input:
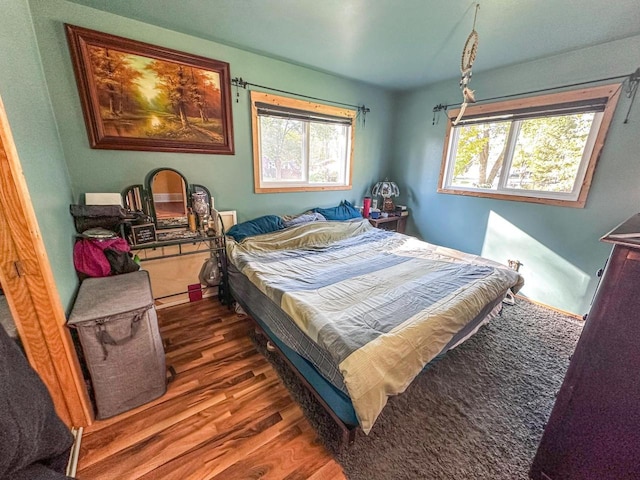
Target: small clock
column 469, row 51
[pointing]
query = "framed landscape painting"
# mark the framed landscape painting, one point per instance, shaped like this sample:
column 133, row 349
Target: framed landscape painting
column 137, row 96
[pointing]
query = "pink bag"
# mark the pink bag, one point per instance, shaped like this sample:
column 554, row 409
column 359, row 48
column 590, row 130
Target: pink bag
column 89, row 257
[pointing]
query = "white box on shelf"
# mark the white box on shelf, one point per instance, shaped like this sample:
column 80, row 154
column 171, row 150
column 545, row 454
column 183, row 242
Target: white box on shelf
column 103, row 199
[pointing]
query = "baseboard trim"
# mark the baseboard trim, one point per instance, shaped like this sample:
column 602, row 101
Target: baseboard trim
column 549, row 307
column 72, row 465
column 180, row 299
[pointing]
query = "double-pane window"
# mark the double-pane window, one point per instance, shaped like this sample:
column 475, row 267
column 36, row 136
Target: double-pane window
column 300, row 145
column 538, row 150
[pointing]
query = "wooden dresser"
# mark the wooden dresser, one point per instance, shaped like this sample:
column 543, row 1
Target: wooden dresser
column 594, row 428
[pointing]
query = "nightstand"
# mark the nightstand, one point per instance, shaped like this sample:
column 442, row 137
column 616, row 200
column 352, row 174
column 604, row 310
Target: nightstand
column 395, row 223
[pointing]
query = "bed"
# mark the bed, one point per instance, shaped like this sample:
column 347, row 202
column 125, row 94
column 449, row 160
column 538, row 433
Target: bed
column 359, row 312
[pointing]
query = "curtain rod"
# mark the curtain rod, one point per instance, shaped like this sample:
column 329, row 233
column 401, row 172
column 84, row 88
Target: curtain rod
column 238, row 82
column 634, row 79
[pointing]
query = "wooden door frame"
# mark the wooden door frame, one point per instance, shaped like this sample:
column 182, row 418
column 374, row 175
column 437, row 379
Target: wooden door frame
column 31, row 291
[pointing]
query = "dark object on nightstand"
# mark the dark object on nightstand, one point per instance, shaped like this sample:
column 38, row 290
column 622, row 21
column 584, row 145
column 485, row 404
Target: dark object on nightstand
column 394, row 223
column 594, row 428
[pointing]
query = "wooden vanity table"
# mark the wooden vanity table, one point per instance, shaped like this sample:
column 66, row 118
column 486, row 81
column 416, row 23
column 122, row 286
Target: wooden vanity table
column 167, row 249
column 174, row 265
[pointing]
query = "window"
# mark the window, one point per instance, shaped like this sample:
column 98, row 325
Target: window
column 299, row 145
column 542, row 149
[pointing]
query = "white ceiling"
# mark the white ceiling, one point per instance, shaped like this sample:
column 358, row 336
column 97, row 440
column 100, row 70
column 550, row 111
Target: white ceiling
column 395, row 44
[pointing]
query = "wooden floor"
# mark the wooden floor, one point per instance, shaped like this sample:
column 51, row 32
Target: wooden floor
column 225, row 416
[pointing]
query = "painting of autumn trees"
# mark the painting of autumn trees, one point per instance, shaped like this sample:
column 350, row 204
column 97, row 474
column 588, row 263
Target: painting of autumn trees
column 141, row 98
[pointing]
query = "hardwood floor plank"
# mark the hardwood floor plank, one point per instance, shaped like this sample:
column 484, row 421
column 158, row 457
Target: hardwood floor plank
column 328, row 471
column 289, row 456
column 219, row 351
column 222, row 451
column 178, row 439
column 261, row 463
column 229, row 370
column 150, row 421
column 226, row 415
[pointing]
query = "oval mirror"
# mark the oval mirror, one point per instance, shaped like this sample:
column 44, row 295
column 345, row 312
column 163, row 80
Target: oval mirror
column 168, row 191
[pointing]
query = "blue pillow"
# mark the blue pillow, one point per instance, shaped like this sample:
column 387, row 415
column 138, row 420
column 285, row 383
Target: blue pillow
column 257, row 226
column 344, row 211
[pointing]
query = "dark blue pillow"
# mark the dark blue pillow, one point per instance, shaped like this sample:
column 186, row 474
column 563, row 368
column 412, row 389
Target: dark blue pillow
column 257, row 226
column 344, row 211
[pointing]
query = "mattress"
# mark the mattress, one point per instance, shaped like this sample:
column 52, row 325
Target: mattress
column 261, row 308
column 311, row 361
column 379, row 305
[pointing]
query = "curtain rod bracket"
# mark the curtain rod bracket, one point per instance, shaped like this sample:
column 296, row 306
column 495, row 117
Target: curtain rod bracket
column 362, row 113
column 436, row 110
column 238, row 82
column 632, row 88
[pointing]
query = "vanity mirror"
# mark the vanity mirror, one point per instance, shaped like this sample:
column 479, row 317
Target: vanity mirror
column 171, row 243
column 168, row 194
column 165, row 197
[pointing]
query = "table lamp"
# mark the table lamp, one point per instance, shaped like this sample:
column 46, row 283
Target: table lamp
column 386, row 190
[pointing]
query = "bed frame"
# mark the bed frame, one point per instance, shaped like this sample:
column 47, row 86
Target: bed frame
column 347, row 431
column 290, row 356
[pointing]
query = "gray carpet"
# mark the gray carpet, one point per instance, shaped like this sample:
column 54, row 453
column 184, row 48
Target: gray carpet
column 478, row 413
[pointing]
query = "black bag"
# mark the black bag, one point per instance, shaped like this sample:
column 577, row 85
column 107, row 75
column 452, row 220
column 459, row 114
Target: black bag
column 121, row 262
column 92, row 216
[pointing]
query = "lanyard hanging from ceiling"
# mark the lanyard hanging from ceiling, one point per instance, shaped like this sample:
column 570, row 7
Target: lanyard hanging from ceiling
column 468, row 57
column 468, row 96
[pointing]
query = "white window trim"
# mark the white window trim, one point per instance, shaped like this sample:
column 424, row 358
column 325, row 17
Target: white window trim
column 577, row 198
column 261, row 186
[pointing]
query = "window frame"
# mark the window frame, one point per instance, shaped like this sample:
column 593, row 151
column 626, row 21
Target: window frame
column 578, row 198
column 311, row 107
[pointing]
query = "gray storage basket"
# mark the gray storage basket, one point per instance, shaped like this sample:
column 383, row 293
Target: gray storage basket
column 118, row 330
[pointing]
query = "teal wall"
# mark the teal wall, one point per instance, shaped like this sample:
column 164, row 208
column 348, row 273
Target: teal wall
column 229, row 177
column 558, row 246
column 26, row 100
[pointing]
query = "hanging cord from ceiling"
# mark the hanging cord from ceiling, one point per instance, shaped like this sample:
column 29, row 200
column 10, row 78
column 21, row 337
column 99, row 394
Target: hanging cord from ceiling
column 238, row 82
column 631, row 80
column 469, row 52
